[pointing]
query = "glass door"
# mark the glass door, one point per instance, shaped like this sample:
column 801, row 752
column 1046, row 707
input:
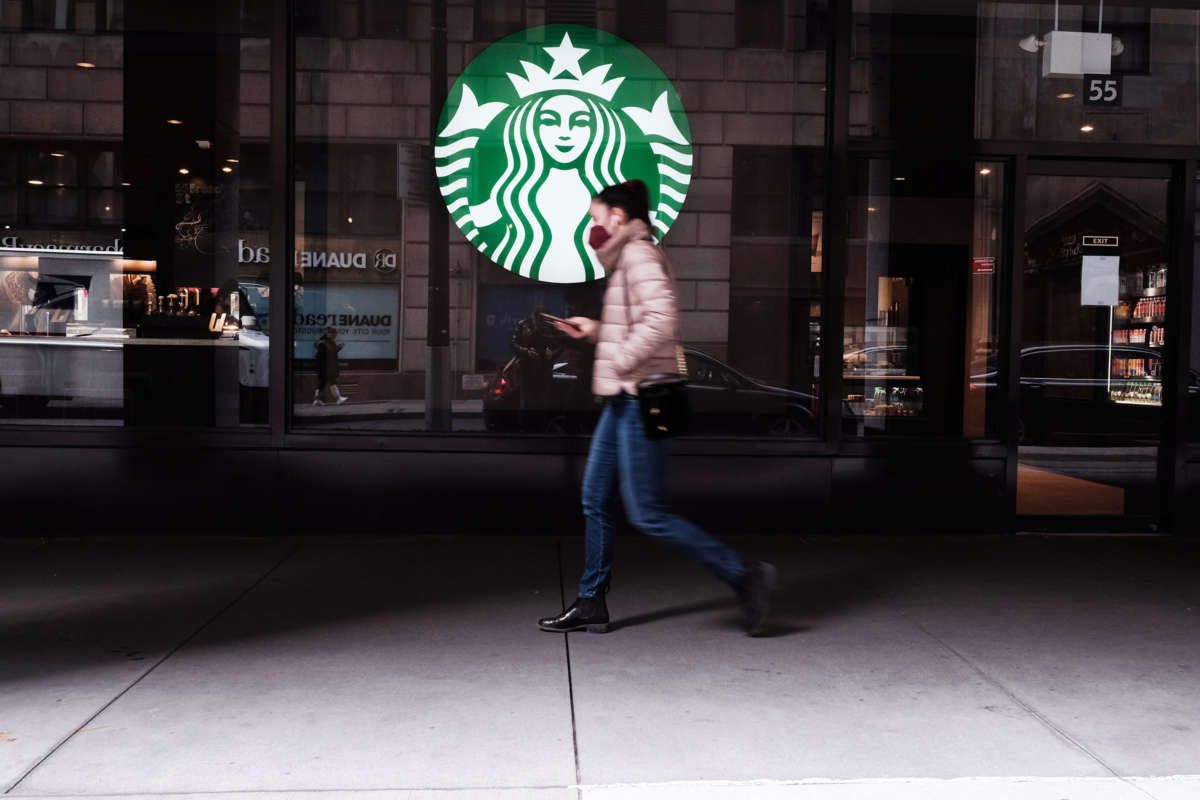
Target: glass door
column 1094, row 286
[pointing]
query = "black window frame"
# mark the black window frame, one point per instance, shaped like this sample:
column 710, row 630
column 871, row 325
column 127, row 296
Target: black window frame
column 748, row 30
column 632, row 16
column 29, row 16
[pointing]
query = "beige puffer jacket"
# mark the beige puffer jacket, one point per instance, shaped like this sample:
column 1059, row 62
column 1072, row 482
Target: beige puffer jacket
column 637, row 333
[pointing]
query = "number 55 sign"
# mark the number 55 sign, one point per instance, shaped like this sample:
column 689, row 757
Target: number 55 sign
column 1102, row 90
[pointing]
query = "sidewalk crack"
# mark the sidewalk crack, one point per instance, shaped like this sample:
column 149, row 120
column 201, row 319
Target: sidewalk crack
column 295, row 549
column 1029, row 709
column 562, row 598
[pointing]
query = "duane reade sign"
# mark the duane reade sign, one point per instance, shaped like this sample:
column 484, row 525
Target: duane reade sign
column 540, row 122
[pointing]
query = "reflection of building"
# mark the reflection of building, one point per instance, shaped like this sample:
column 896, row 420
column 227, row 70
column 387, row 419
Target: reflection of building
column 880, row 225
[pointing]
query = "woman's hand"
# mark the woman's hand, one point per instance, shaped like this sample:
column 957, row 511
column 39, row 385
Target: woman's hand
column 580, row 327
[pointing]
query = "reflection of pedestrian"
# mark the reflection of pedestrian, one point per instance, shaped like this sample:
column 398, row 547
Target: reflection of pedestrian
column 535, row 347
column 636, row 336
column 327, row 368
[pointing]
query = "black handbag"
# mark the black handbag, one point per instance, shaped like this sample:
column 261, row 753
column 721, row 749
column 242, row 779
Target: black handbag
column 662, row 397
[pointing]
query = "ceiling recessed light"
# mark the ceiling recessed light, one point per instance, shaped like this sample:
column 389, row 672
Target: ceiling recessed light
column 34, row 182
column 58, row 155
column 226, row 169
column 174, row 122
column 85, row 65
column 1065, row 95
column 985, row 171
column 183, row 170
column 1087, row 128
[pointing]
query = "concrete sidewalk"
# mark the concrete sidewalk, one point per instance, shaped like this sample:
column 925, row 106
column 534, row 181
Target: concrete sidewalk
column 1016, row 667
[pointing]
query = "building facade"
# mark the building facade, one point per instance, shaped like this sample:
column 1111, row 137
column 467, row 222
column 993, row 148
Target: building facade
column 934, row 260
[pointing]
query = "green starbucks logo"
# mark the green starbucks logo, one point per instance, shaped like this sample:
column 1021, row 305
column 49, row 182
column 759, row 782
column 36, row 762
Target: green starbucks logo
column 539, row 123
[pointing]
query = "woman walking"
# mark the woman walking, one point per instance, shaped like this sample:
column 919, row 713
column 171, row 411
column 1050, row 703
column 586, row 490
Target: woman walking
column 636, row 337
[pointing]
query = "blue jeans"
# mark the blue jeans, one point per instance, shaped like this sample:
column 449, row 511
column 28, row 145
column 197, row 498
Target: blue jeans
column 620, row 452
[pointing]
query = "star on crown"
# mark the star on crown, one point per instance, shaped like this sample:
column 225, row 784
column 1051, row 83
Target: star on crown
column 566, row 59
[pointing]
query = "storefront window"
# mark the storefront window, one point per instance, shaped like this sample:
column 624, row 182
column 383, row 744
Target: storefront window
column 1192, row 411
column 920, row 346
column 399, row 327
column 1138, row 86
column 129, row 294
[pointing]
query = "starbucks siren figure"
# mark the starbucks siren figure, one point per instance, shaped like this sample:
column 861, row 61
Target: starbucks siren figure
column 562, row 142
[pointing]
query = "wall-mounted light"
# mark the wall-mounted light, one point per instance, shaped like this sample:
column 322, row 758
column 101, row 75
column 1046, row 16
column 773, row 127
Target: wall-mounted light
column 1031, row 43
column 85, row 65
column 174, row 122
column 900, row 178
column 126, row 183
column 985, row 171
column 34, row 182
column 1087, row 128
column 231, row 160
column 183, row 170
column 58, row 155
column 1065, row 95
column 350, row 220
column 227, row 169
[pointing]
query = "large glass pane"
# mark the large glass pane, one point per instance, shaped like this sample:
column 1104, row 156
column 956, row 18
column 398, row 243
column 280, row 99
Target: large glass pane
column 1095, row 324
column 1140, row 85
column 127, row 297
column 920, row 344
column 400, row 327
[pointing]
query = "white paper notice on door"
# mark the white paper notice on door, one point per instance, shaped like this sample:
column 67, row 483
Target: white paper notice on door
column 1098, row 281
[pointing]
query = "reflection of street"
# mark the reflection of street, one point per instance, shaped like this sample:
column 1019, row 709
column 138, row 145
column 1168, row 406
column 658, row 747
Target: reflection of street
column 387, row 415
column 1117, row 466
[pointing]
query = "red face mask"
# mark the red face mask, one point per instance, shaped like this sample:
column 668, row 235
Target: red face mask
column 598, row 237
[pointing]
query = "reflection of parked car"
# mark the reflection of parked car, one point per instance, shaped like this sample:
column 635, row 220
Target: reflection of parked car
column 1065, row 394
column 723, row 400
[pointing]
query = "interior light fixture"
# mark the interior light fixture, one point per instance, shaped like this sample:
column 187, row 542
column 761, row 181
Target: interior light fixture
column 34, row 182
column 900, row 178
column 350, row 220
column 1065, row 95
column 1087, row 128
column 1031, row 43
column 226, row 169
column 58, row 155
column 174, row 122
column 122, row 230
column 985, row 171
column 183, row 170
column 126, row 183
column 870, row 208
column 85, row 65
column 231, row 160
column 108, row 208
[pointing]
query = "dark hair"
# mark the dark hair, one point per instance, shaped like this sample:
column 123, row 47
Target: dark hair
column 630, row 196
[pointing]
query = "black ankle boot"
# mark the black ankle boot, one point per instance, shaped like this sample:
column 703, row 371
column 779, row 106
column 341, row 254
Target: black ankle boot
column 754, row 592
column 588, row 613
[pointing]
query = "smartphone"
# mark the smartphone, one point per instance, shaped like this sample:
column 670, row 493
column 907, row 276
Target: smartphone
column 552, row 318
